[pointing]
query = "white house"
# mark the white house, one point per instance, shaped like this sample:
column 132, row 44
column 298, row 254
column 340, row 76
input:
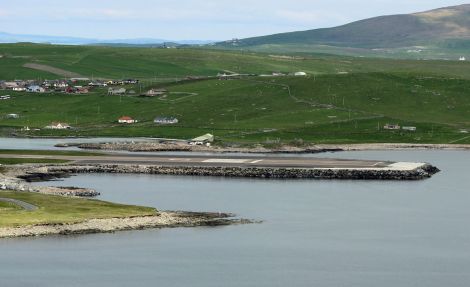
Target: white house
column 126, row 120
column 117, row 91
column 35, row 89
column 300, row 74
column 13, row 116
column 462, row 59
column 58, row 126
column 165, row 120
column 391, row 127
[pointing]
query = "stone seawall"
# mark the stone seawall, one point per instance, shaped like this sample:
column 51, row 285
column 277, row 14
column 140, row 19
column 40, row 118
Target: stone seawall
column 422, row 172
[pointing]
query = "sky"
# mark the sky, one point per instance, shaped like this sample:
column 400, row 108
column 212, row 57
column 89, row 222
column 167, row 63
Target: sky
column 192, row 19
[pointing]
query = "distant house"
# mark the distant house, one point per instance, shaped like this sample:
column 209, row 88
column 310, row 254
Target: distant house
column 462, row 59
column 156, row 92
column 410, row 129
column 12, row 116
column 126, row 120
column 97, row 84
column 391, row 127
column 116, row 91
column 61, row 84
column 130, row 81
column 19, row 89
column 58, row 126
column 165, row 120
column 35, row 89
column 300, row 74
column 10, row 85
column 204, row 139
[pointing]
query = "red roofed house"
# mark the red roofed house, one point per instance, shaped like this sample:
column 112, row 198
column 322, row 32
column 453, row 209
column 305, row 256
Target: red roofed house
column 126, row 120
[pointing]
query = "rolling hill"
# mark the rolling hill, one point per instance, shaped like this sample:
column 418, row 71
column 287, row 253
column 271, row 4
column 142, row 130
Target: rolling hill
column 446, row 29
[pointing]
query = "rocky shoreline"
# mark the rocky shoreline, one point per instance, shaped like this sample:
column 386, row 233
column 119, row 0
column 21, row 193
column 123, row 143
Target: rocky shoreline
column 311, row 149
column 164, row 219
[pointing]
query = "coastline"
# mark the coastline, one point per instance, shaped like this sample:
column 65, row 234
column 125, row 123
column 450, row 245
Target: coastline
column 164, row 219
column 316, row 148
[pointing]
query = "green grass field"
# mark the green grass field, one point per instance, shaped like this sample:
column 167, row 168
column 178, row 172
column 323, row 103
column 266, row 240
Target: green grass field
column 343, row 100
column 58, row 209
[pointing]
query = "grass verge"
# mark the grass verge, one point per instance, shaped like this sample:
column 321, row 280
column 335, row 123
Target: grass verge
column 62, row 210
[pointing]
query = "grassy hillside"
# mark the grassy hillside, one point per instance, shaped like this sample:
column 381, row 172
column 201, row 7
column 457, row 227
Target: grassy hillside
column 344, row 99
column 440, row 33
column 163, row 65
column 328, row 108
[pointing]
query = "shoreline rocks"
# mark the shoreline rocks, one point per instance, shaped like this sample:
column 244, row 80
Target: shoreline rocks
column 165, row 219
column 149, row 146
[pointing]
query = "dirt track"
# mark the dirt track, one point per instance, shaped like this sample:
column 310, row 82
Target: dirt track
column 52, row 70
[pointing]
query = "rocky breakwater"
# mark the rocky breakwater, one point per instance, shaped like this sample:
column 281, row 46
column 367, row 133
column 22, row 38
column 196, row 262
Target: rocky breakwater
column 18, row 178
column 420, row 172
column 164, row 219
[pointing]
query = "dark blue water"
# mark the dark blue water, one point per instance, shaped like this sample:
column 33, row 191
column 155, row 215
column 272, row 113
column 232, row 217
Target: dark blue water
column 315, row 233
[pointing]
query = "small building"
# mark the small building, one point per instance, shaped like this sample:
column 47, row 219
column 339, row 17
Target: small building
column 204, row 139
column 10, row 85
column 156, row 92
column 300, row 74
column 391, row 127
column 126, row 120
column 462, row 59
column 116, row 91
column 35, row 89
column 130, row 81
column 165, row 120
column 58, row 126
column 410, row 129
column 12, row 116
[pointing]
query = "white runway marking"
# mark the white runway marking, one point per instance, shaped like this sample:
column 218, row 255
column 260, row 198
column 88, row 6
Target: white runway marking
column 256, row 161
column 225, row 160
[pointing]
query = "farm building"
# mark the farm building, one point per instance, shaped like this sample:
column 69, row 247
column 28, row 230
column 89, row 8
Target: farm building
column 116, row 91
column 126, row 120
column 35, row 89
column 300, row 74
column 205, row 139
column 391, row 127
column 156, row 92
column 58, row 126
column 12, row 116
column 9, row 85
column 165, row 120
column 410, row 129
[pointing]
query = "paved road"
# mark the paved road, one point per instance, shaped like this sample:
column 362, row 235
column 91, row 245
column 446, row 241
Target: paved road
column 216, row 160
column 24, row 205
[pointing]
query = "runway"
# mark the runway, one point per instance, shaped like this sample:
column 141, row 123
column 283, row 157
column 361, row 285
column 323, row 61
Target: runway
column 229, row 161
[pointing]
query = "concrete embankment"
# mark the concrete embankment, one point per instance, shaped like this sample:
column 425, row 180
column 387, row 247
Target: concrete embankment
column 166, row 219
column 420, row 172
